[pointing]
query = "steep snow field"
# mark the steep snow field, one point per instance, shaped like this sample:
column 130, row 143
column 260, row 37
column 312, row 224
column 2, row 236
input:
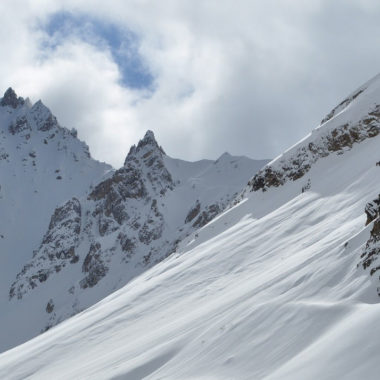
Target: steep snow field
column 268, row 290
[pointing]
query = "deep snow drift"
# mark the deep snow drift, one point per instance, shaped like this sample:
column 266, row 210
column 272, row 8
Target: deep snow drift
column 274, row 288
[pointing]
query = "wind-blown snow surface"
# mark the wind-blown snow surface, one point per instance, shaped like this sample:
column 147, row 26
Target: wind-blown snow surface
column 270, row 289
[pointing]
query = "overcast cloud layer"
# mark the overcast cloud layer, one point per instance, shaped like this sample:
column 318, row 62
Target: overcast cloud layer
column 248, row 77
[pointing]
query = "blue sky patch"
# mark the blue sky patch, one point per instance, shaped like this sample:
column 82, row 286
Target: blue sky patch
column 122, row 43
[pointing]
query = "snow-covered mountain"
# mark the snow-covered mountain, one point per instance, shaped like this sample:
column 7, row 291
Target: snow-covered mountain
column 283, row 285
column 104, row 232
column 41, row 165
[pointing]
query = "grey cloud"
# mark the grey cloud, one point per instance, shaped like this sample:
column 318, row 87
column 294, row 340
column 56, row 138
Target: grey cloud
column 250, row 77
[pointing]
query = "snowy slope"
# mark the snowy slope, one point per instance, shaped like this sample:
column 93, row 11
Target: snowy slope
column 274, row 288
column 99, row 240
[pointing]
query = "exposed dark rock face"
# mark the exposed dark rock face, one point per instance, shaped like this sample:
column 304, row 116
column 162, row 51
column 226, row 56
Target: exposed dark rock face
column 148, row 140
column 111, row 195
column 153, row 226
column 120, row 204
column 65, row 225
column 194, row 211
column 50, row 306
column 56, row 251
column 299, row 163
column 307, row 186
column 372, row 210
column 207, row 215
column 128, row 245
column 125, row 183
column 370, row 258
column 93, row 266
column 131, row 183
column 268, row 177
column 20, row 125
column 10, row 99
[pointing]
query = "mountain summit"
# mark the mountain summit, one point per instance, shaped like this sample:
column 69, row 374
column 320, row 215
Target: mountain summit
column 147, row 144
column 10, row 99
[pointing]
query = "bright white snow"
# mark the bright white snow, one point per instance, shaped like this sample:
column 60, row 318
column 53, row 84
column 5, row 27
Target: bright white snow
column 270, row 289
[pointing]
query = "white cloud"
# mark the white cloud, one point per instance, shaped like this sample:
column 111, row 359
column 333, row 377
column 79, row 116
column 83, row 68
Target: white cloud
column 250, row 77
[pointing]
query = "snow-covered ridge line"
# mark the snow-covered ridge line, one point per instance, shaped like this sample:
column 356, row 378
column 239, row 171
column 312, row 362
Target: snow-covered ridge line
column 119, row 227
column 25, row 117
column 353, row 121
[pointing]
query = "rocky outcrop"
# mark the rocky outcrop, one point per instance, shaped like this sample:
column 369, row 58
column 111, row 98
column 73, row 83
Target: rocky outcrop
column 299, row 161
column 370, row 257
column 194, row 211
column 149, row 143
column 20, row 125
column 93, row 266
column 149, row 155
column 372, row 210
column 122, row 205
column 144, row 175
column 58, row 249
column 50, row 306
column 153, row 226
column 209, row 213
column 10, row 99
column 125, row 183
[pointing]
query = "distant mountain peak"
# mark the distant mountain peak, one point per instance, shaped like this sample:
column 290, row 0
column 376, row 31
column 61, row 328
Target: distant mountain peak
column 149, row 137
column 10, row 99
column 147, row 144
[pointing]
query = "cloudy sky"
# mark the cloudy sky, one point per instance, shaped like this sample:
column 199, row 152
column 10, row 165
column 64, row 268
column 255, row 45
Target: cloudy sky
column 207, row 76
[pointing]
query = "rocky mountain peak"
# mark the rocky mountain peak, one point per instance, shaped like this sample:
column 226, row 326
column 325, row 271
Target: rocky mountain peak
column 10, row 99
column 148, row 139
column 146, row 146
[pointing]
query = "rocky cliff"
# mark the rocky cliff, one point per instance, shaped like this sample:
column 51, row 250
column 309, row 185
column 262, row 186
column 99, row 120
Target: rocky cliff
column 119, row 227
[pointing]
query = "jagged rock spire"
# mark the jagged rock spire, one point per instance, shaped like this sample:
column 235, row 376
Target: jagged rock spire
column 10, row 99
column 148, row 142
column 148, row 139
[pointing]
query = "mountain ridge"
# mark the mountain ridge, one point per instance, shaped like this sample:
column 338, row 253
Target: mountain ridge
column 338, row 131
column 108, row 230
column 278, row 286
